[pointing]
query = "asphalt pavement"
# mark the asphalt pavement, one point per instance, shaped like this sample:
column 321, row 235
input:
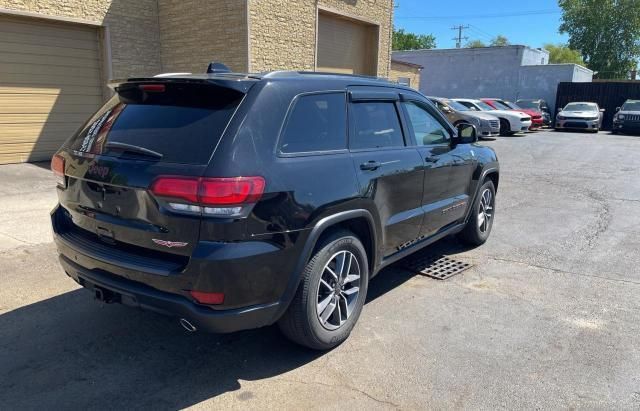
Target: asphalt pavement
column 547, row 317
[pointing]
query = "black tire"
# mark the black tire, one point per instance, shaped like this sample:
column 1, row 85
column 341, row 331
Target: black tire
column 505, row 127
column 474, row 232
column 614, row 132
column 301, row 322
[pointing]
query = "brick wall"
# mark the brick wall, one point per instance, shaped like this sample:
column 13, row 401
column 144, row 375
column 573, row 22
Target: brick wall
column 282, row 34
column 133, row 26
column 195, row 32
column 399, row 69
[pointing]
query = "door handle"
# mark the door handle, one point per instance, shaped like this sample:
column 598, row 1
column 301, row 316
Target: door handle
column 370, row 165
column 432, row 159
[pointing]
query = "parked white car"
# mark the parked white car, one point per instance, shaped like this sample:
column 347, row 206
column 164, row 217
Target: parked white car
column 511, row 122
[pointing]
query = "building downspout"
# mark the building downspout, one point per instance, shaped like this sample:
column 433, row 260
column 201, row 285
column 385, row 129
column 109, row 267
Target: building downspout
column 248, row 5
column 390, row 50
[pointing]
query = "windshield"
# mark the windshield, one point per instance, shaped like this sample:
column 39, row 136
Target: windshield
column 528, row 104
column 631, row 106
column 580, row 107
column 500, row 106
column 512, row 105
column 456, row 106
column 484, row 106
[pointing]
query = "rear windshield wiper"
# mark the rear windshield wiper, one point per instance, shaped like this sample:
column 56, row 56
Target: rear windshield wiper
column 130, row 148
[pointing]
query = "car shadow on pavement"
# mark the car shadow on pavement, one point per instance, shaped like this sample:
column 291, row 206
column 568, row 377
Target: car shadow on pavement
column 74, row 352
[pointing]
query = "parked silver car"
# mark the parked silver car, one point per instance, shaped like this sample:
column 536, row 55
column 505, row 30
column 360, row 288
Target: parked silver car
column 486, row 124
column 580, row 116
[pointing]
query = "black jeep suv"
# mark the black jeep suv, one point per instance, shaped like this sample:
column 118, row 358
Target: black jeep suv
column 235, row 201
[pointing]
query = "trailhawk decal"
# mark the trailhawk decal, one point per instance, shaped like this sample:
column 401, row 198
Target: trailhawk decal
column 169, row 244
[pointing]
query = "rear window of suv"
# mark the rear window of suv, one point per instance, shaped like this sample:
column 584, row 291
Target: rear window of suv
column 175, row 123
column 316, row 123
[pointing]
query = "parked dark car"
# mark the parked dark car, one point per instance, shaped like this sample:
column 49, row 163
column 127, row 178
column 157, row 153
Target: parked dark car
column 235, row 201
column 627, row 118
column 539, row 105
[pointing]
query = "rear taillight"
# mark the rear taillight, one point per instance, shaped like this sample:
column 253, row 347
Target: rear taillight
column 57, row 166
column 219, row 197
column 152, row 88
column 207, row 298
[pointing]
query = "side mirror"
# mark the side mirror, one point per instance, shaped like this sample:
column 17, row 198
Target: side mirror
column 467, row 134
column 446, row 109
column 602, row 110
column 559, row 109
column 617, row 109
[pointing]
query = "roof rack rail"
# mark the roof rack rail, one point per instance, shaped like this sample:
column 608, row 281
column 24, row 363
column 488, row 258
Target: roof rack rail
column 172, row 74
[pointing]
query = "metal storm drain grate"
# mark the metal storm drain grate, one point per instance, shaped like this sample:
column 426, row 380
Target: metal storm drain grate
column 436, row 266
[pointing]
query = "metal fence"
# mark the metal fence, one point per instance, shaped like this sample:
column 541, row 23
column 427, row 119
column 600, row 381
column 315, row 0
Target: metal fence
column 608, row 94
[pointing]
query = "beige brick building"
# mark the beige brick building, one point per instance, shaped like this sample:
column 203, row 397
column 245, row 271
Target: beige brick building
column 56, row 56
column 405, row 73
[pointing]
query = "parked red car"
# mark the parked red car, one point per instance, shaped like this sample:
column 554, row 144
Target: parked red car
column 536, row 116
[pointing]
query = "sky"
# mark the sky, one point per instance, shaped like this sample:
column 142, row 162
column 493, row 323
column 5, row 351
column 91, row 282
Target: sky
column 522, row 22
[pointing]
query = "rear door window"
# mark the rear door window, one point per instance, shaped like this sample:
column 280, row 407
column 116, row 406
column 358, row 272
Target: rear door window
column 176, row 123
column 375, row 125
column 316, row 123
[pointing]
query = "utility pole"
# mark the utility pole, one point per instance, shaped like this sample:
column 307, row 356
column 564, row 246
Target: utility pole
column 460, row 38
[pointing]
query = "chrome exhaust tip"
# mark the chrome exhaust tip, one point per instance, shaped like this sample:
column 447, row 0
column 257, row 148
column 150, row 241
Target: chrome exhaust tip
column 187, row 325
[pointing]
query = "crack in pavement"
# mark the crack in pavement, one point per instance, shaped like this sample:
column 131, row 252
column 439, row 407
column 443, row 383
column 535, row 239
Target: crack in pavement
column 558, row 270
column 349, row 387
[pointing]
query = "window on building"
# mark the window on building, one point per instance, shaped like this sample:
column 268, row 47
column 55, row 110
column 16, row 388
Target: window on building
column 317, row 122
column 375, row 125
column 405, row 81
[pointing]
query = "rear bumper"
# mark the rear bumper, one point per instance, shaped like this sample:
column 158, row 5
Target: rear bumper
column 141, row 296
column 253, row 276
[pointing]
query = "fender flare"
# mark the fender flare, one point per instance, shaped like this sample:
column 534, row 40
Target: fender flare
column 483, row 176
column 320, row 227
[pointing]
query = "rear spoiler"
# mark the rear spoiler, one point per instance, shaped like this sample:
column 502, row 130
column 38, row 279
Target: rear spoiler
column 240, row 84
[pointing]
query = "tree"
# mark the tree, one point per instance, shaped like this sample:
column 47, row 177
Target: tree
column 475, row 44
column 411, row 41
column 561, row 53
column 606, row 32
column 499, row 41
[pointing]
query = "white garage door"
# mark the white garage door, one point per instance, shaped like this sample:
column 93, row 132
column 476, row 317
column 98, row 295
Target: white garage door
column 346, row 46
column 50, row 83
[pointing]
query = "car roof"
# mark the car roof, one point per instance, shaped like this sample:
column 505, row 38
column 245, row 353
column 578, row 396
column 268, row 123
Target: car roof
column 289, row 76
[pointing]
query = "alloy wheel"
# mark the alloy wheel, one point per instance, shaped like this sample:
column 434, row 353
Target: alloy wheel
column 338, row 290
column 485, row 212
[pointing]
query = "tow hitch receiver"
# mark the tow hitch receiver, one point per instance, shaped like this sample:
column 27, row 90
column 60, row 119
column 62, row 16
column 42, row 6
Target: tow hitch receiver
column 104, row 295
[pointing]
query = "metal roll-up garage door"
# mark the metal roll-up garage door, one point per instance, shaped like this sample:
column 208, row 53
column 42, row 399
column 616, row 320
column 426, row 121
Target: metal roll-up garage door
column 50, row 83
column 346, row 46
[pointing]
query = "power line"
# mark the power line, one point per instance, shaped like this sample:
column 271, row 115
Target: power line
column 482, row 32
column 484, row 16
column 460, row 37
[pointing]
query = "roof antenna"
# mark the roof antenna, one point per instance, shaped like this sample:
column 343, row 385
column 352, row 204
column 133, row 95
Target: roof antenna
column 215, row 67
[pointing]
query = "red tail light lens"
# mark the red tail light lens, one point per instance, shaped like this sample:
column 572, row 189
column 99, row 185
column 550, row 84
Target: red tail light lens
column 207, row 298
column 57, row 166
column 210, row 191
column 152, row 88
column 228, row 191
column 176, row 187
